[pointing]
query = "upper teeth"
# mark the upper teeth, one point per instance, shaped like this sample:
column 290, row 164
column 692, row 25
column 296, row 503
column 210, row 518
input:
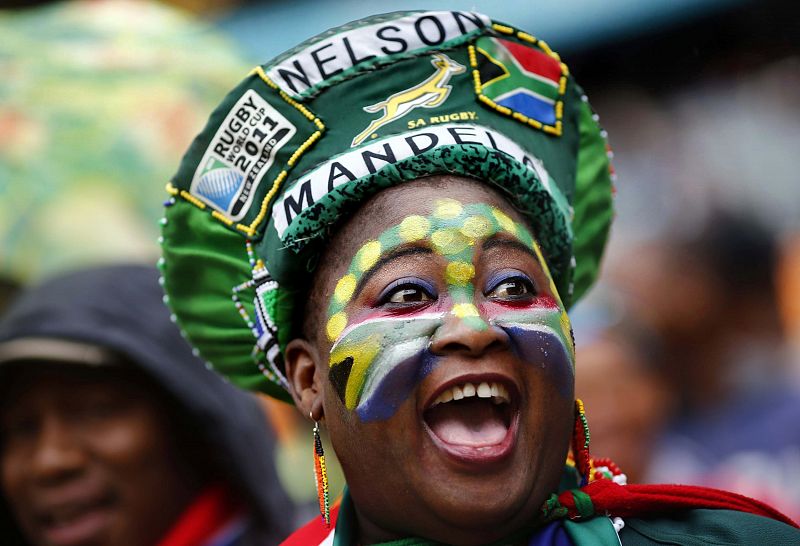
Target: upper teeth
column 497, row 392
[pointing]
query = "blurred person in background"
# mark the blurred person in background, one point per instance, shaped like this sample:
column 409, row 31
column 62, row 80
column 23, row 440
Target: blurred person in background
column 112, row 432
column 711, row 298
column 622, row 381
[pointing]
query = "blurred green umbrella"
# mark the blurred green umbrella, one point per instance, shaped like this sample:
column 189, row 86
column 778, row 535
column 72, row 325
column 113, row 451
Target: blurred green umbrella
column 98, row 100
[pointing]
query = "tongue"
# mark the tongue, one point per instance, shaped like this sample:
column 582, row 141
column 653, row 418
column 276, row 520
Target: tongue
column 474, row 422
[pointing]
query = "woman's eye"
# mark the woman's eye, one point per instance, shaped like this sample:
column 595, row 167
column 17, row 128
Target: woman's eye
column 512, row 289
column 407, row 290
column 408, row 294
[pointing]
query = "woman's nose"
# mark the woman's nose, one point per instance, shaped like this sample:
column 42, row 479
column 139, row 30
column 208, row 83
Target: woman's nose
column 471, row 336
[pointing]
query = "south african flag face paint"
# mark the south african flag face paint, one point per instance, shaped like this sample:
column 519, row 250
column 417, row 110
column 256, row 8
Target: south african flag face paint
column 381, row 354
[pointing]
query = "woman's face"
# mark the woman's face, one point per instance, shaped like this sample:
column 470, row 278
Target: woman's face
column 443, row 364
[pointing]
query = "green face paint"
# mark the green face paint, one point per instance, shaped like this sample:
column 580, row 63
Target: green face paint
column 377, row 351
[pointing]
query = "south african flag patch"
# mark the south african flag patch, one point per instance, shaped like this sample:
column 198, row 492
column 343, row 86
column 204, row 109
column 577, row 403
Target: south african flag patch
column 522, row 81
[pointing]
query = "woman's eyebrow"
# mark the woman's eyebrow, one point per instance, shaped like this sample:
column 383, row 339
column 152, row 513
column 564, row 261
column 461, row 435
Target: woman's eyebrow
column 385, row 259
column 510, row 243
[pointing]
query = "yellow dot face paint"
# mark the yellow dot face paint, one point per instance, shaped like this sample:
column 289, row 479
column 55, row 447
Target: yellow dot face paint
column 476, row 227
column 336, row 324
column 368, row 255
column 459, row 273
column 449, row 241
column 505, row 222
column 447, row 209
column 345, row 288
column 376, row 362
column 463, row 310
column 414, row 228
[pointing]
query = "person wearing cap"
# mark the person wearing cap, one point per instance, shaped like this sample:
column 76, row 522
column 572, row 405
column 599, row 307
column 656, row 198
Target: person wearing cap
column 112, row 432
column 391, row 220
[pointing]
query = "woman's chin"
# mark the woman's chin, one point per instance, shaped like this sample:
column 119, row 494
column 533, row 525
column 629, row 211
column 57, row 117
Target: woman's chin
column 478, row 494
column 481, row 474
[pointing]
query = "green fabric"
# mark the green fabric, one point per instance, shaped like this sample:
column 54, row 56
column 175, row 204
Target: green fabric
column 690, row 528
column 583, row 503
column 315, row 129
column 345, row 534
column 701, row 527
column 570, row 478
column 216, row 323
column 596, row 531
column 593, row 206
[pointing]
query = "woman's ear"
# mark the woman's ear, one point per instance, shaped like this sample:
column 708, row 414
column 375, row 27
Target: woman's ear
column 301, row 359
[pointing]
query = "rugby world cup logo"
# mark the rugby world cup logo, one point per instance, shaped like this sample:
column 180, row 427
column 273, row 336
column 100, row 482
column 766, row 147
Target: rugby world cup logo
column 427, row 94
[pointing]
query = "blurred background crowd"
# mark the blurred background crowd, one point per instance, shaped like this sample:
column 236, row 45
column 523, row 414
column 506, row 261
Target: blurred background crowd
column 689, row 347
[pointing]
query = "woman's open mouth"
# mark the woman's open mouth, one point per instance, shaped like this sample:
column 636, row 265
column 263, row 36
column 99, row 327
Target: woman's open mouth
column 474, row 420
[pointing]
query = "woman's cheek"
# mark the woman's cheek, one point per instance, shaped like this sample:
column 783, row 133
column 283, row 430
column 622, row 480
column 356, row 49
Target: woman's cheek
column 539, row 337
column 377, row 363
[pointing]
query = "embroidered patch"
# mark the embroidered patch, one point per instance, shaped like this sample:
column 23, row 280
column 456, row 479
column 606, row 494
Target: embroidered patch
column 429, row 93
column 241, row 152
column 521, row 81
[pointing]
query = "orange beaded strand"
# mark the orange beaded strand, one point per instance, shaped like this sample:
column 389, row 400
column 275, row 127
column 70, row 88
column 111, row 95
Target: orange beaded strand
column 321, row 478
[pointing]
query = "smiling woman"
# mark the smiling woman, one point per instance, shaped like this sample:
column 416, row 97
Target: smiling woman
column 451, row 363
column 401, row 271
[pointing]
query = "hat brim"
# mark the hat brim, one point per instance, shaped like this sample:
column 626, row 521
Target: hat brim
column 56, row 351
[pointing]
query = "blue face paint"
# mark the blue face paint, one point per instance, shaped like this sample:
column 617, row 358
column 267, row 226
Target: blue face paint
column 542, row 347
column 388, row 393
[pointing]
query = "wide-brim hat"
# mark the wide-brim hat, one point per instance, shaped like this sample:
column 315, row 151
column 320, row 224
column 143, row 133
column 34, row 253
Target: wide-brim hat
column 307, row 137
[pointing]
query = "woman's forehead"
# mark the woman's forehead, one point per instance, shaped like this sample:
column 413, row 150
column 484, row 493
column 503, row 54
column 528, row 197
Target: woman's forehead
column 417, row 198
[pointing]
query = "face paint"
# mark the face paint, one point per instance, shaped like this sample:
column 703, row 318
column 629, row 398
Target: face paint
column 376, row 363
column 539, row 334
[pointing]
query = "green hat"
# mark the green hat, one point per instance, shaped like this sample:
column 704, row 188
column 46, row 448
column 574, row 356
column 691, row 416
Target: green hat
column 307, row 137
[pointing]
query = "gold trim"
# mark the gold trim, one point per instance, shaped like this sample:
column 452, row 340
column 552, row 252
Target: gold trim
column 222, row 218
column 193, row 200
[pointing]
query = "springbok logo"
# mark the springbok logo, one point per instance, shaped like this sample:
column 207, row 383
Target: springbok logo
column 428, row 94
